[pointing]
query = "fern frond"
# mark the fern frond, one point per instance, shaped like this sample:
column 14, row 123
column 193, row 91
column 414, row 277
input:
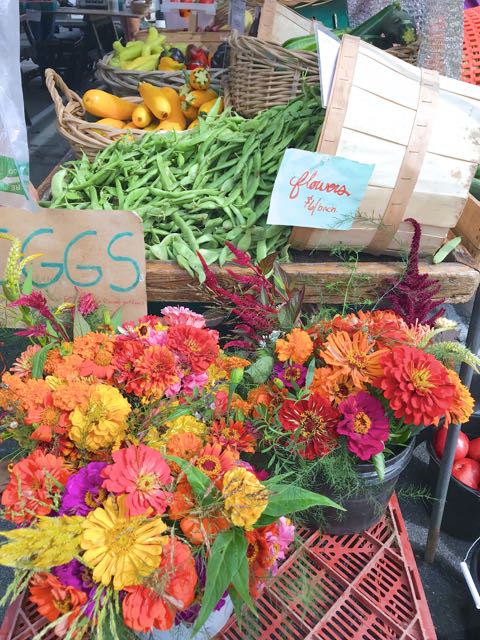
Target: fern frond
column 454, row 353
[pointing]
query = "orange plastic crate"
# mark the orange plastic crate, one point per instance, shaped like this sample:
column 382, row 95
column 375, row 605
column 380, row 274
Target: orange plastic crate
column 354, row 587
column 471, row 46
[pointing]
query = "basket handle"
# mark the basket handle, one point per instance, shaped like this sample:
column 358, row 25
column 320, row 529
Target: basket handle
column 55, row 83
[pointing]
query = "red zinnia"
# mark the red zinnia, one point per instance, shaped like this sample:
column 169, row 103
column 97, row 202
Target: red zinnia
column 33, row 483
column 197, row 348
column 234, row 435
column 313, row 423
column 416, row 385
column 153, row 372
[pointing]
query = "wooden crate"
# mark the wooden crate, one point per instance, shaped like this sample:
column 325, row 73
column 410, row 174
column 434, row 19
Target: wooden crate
column 279, row 23
column 468, row 228
column 422, row 132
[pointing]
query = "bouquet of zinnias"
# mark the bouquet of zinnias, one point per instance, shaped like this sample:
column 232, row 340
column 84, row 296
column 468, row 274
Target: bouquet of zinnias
column 133, row 513
column 359, row 383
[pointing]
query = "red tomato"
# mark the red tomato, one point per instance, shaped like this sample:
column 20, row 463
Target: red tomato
column 467, row 471
column 440, row 438
column 474, row 449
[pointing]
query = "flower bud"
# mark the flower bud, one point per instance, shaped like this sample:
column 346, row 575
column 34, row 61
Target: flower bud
column 236, row 375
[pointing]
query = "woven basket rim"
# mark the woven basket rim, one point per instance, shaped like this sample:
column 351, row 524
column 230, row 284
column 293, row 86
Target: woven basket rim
column 71, row 123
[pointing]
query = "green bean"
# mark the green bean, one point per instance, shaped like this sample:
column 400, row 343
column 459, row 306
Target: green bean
column 181, row 224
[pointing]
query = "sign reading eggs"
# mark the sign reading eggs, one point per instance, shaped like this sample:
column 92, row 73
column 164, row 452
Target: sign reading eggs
column 317, row 190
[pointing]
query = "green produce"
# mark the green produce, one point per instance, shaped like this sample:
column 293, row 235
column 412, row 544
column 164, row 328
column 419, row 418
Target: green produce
column 301, row 43
column 198, row 190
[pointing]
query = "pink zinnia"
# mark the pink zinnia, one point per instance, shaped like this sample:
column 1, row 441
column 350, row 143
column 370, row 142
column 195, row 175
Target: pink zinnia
column 365, row 425
column 22, row 367
column 181, row 315
column 143, row 475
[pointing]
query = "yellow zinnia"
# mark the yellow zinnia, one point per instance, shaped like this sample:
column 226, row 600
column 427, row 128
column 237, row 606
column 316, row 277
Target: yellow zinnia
column 245, row 497
column 183, row 424
column 125, row 549
column 103, row 421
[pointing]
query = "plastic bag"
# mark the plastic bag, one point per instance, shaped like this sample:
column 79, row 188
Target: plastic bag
column 14, row 161
column 439, row 24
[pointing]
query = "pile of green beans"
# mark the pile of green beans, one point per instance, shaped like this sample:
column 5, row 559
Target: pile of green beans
column 196, row 191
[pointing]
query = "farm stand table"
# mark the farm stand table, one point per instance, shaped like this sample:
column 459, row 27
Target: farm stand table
column 324, row 277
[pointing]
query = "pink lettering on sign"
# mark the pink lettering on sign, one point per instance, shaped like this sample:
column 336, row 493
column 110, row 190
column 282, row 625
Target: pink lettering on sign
column 308, row 180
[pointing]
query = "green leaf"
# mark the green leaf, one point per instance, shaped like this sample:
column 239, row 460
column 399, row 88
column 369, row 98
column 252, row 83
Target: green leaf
column 447, row 248
column 241, row 583
column 237, row 604
column 310, row 374
column 201, row 484
column 116, row 319
column 225, row 557
column 290, row 311
column 27, row 286
column 288, row 498
column 80, row 325
column 260, row 370
column 378, row 461
column 38, row 361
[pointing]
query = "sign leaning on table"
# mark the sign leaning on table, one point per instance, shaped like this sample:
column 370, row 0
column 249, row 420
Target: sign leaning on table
column 99, row 252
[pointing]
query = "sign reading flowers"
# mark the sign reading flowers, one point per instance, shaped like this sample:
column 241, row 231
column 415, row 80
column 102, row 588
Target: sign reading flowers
column 317, row 190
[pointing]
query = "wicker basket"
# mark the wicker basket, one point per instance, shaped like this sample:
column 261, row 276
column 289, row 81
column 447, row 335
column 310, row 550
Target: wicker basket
column 263, row 74
column 82, row 135
column 124, row 83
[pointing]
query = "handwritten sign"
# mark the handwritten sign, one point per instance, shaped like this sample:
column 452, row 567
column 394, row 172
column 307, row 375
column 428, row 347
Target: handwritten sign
column 101, row 252
column 317, row 190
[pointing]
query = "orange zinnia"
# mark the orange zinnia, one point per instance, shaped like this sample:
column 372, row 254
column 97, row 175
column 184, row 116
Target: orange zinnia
column 352, row 356
column 199, row 530
column 96, row 351
column 53, row 599
column 184, row 445
column 69, row 396
column 335, row 387
column 297, row 347
column 462, row 404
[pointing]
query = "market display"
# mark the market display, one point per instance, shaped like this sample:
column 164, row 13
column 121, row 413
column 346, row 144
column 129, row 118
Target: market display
column 196, row 192
column 174, row 475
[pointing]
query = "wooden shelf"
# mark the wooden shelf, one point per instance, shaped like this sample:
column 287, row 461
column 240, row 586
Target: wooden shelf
column 324, row 281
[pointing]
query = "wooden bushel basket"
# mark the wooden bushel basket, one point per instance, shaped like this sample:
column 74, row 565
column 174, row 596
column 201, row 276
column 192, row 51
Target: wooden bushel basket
column 422, row 132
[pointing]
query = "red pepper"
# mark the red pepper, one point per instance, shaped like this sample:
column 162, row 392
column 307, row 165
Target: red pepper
column 195, row 64
column 197, row 54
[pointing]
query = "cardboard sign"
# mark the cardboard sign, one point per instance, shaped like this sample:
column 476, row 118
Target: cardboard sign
column 317, row 190
column 100, row 252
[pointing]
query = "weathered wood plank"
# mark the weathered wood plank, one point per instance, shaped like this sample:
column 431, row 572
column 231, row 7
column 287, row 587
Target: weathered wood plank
column 324, row 282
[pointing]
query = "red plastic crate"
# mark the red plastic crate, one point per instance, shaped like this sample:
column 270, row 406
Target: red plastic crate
column 354, row 587
column 471, row 46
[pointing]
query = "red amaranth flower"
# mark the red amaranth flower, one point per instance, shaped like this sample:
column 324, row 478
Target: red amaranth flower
column 412, row 296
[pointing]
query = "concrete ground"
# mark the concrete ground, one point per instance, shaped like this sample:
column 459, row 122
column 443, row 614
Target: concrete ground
column 448, row 597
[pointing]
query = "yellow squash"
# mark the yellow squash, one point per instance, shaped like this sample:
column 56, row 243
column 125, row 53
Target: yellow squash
column 105, row 105
column 197, row 97
column 155, row 100
column 208, row 106
column 142, row 116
